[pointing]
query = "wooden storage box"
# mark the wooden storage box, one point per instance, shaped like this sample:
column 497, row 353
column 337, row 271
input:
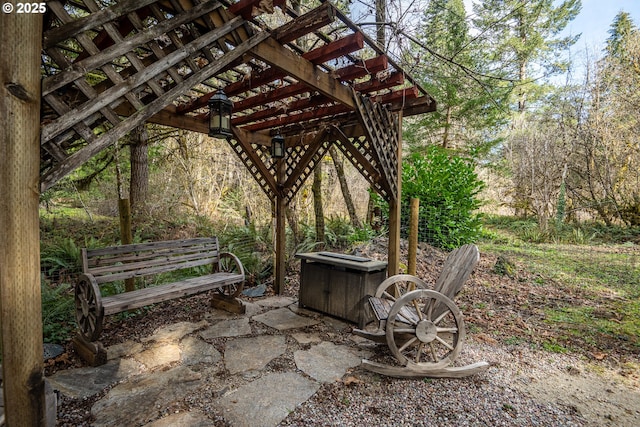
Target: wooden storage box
column 336, row 284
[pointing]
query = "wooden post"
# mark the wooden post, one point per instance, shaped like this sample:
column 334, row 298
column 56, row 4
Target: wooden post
column 281, row 236
column 413, row 236
column 126, row 236
column 393, row 266
column 20, row 296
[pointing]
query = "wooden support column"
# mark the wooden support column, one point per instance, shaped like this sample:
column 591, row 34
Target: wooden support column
column 280, row 229
column 20, row 296
column 393, row 266
column 126, row 235
column 413, row 236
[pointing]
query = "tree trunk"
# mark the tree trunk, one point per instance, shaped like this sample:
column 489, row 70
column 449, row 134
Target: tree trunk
column 337, row 162
column 447, row 125
column 381, row 18
column 293, row 220
column 139, row 185
column 316, row 189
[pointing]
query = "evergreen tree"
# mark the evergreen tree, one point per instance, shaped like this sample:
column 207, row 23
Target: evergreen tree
column 451, row 69
column 523, row 37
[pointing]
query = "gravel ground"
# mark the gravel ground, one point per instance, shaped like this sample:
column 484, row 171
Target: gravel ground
column 499, row 397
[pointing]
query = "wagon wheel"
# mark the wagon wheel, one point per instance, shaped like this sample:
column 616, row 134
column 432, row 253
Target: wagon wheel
column 89, row 309
column 229, row 263
column 394, row 287
column 435, row 340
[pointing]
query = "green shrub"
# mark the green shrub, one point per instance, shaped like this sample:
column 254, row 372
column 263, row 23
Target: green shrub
column 58, row 307
column 253, row 245
column 446, row 186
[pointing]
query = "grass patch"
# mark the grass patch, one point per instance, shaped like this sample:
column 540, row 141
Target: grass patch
column 599, row 283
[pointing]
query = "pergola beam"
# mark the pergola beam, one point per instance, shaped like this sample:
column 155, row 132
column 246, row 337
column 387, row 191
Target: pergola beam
column 303, row 70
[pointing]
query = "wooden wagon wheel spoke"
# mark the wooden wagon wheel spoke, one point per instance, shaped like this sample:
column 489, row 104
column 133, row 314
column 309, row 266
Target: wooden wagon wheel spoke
column 434, row 356
column 439, row 318
column 408, row 344
column 89, row 309
column 419, row 352
column 444, row 343
column 405, row 330
column 452, row 330
column 427, row 343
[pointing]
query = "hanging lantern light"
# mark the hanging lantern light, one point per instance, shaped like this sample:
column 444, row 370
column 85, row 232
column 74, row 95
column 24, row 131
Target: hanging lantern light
column 277, row 146
column 220, row 108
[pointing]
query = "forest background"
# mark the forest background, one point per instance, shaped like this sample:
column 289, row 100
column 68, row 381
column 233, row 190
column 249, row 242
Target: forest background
column 524, row 155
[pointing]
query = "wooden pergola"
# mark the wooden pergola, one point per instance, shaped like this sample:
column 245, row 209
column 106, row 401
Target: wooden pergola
column 105, row 68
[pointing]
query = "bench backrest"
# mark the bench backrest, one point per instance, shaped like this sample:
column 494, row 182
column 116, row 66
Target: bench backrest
column 142, row 259
column 457, row 269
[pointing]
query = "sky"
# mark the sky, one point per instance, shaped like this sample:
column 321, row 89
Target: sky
column 594, row 19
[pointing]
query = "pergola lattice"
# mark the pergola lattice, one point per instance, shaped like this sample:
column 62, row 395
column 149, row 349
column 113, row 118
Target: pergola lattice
column 111, row 66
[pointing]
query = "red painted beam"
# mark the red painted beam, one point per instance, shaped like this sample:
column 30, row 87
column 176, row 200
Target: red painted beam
column 296, row 118
column 335, row 49
column 274, row 95
column 397, row 96
column 375, row 84
column 249, row 9
column 370, row 66
column 301, row 104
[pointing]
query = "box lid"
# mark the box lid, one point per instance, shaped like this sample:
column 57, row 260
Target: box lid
column 343, row 260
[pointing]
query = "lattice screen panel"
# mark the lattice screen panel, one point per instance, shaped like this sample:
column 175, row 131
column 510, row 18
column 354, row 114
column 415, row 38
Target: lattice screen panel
column 132, row 59
column 382, row 130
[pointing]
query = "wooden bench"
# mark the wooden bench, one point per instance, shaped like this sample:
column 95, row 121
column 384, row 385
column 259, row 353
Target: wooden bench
column 119, row 263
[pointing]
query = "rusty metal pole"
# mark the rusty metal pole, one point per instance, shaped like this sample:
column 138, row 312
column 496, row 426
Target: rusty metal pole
column 20, row 296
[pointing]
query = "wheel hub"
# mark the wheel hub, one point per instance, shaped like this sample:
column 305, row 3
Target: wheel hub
column 426, row 331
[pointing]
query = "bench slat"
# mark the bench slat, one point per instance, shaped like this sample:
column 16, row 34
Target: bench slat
column 137, row 247
column 142, row 297
column 105, row 260
column 156, row 261
column 382, row 306
column 141, row 272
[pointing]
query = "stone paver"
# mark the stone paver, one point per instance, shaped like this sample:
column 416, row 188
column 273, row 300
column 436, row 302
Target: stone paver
column 141, row 399
column 84, row 382
column 160, row 354
column 246, row 354
column 127, row 348
column 275, row 302
column 227, row 328
column 283, row 319
column 182, row 419
column 176, row 360
column 327, row 362
column 306, row 338
column 268, row 400
column 175, row 331
column 195, row 351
